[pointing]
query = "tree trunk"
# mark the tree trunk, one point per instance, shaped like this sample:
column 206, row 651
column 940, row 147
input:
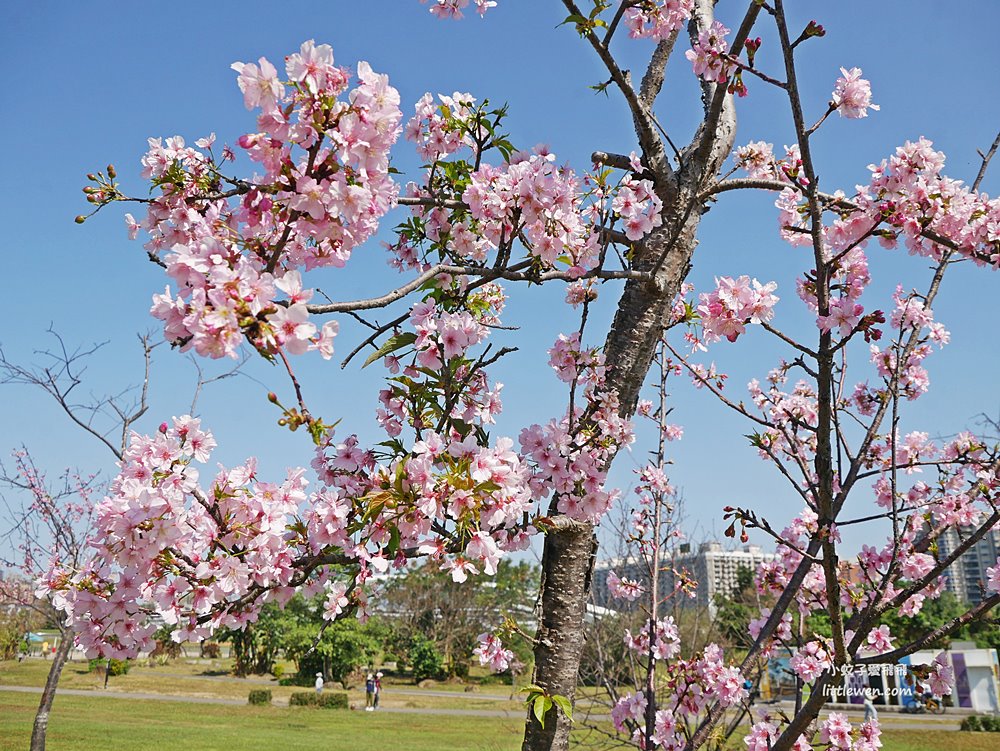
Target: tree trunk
column 567, row 563
column 41, row 725
column 644, row 307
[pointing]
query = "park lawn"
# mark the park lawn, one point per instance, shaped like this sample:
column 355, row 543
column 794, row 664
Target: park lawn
column 180, row 678
column 936, row 740
column 80, row 723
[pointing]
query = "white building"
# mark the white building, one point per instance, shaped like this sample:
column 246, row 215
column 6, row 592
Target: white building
column 712, row 567
column 716, row 570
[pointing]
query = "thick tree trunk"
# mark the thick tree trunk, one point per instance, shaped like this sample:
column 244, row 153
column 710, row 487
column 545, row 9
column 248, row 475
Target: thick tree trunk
column 567, row 563
column 41, row 725
column 643, row 309
column 569, row 551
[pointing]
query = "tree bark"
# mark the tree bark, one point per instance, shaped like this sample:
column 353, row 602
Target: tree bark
column 567, row 563
column 41, row 725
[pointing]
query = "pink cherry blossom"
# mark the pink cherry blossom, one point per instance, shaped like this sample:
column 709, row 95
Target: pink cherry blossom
column 852, row 95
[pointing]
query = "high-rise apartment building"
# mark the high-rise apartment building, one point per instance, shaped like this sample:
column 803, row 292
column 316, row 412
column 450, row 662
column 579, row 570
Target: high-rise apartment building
column 967, row 576
column 711, row 566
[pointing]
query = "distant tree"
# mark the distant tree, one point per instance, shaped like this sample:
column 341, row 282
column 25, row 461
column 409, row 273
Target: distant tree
column 426, row 602
column 46, row 536
column 425, row 660
column 344, row 647
column 735, row 610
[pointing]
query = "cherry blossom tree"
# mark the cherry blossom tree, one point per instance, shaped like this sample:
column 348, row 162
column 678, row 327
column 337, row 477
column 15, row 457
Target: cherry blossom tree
column 48, row 532
column 239, row 251
column 48, row 525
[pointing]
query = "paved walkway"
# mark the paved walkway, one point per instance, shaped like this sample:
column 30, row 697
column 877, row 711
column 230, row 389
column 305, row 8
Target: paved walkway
column 393, row 688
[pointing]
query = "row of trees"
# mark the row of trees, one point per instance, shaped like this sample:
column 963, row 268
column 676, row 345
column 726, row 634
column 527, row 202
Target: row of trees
column 426, row 623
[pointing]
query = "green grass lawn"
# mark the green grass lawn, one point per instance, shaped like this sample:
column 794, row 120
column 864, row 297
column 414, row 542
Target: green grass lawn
column 109, row 721
column 194, row 678
column 81, row 723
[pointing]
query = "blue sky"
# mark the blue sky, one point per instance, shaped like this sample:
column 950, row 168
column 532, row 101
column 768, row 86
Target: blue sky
column 92, row 81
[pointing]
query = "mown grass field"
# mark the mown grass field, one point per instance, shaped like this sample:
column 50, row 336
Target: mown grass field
column 112, row 721
column 199, row 679
column 81, row 723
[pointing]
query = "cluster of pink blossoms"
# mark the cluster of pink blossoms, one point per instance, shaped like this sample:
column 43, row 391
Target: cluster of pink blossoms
column 993, row 578
column 915, row 200
column 571, row 455
column 623, row 588
column 492, row 652
column 837, row 731
column 440, row 129
column 657, row 19
column 325, row 184
column 708, row 54
column 541, row 200
column 638, row 207
column 811, row 661
column 757, row 158
column 558, row 216
column 693, row 686
column 666, row 643
column 733, row 304
column 852, row 95
column 454, row 8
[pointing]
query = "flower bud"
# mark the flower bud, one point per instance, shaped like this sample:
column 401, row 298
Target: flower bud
column 111, row 171
column 80, row 219
column 163, row 427
column 272, row 397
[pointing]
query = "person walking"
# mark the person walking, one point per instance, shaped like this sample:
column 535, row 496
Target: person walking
column 870, row 712
column 378, row 689
column 370, row 693
column 319, row 684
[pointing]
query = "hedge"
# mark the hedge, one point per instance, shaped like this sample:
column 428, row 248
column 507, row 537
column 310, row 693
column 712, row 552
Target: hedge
column 326, row 701
column 260, row 696
column 981, row 722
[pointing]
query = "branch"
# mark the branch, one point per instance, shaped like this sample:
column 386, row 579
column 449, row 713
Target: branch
column 652, row 147
column 941, row 631
column 987, row 157
column 512, row 273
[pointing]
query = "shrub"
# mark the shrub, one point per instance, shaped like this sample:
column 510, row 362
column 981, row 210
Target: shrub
column 114, row 667
column 970, row 723
column 166, row 648
column 303, row 699
column 425, row 660
column 333, row 701
column 260, row 696
column 278, row 670
column 211, row 650
column 989, row 723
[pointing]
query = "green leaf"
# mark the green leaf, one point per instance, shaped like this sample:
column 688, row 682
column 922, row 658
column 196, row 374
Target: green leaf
column 564, row 704
column 391, row 344
column 578, row 20
column 540, row 706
